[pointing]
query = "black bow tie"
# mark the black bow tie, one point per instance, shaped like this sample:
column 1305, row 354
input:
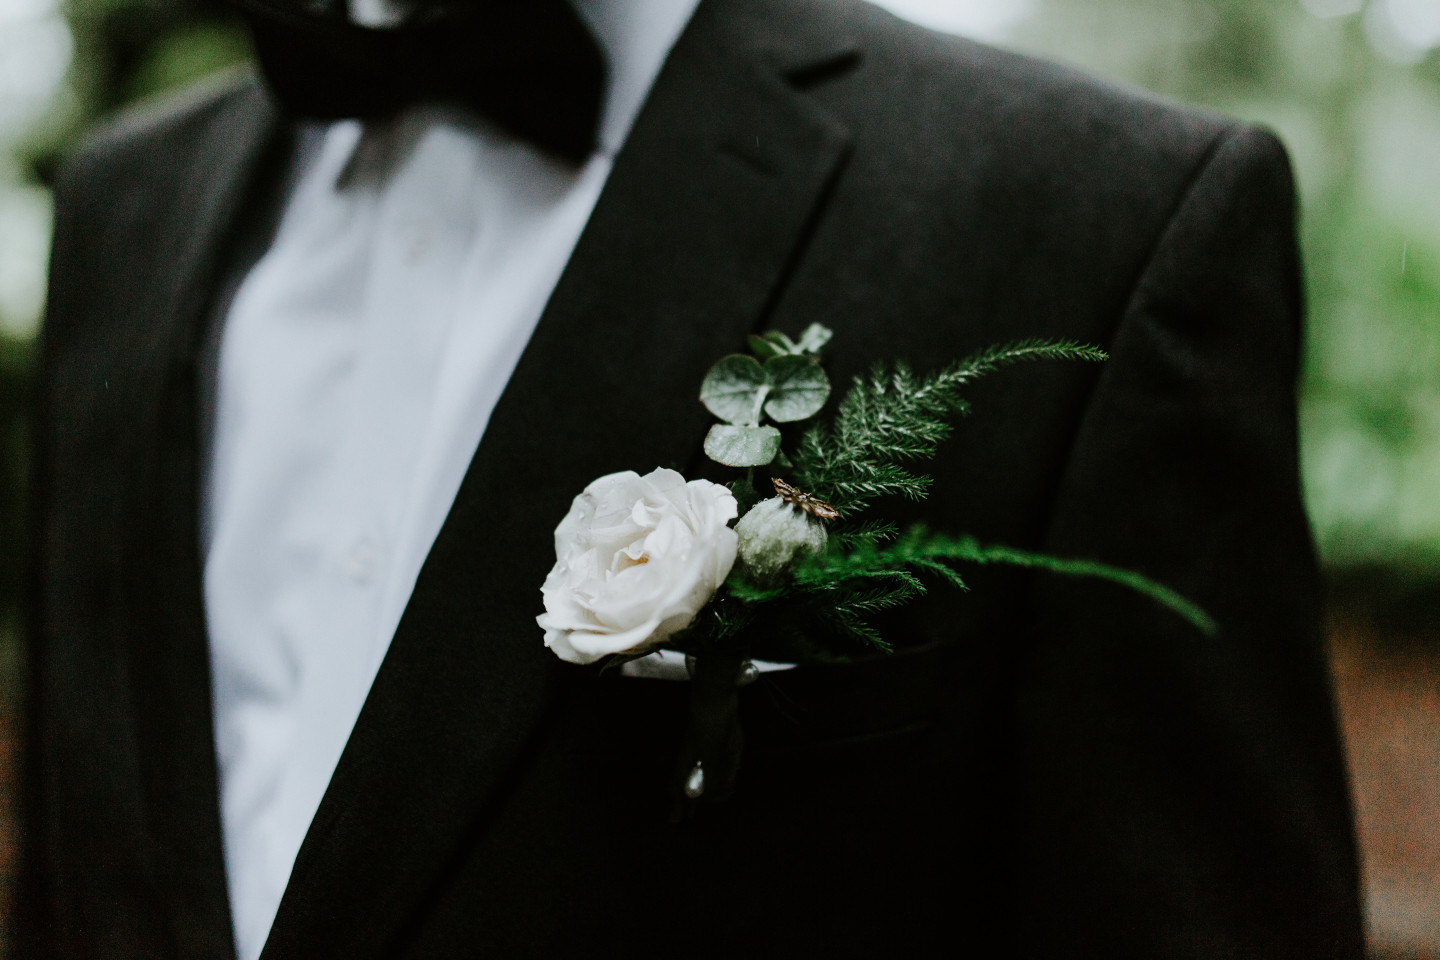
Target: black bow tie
column 530, row 65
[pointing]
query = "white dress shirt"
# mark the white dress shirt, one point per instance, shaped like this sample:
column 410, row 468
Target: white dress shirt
column 358, row 364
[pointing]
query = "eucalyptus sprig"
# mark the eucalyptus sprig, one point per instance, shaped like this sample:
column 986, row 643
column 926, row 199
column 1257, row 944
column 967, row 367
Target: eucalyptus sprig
column 786, row 383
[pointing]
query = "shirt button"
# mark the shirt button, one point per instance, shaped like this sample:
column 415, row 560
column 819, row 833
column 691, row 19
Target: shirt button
column 362, row 561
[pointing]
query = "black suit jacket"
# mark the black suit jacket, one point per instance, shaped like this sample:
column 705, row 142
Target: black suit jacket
column 1046, row 767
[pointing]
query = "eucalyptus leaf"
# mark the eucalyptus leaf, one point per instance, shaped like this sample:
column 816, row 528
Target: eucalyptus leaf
column 733, row 389
column 798, row 388
column 764, row 347
column 780, row 341
column 742, row 446
column 814, row 338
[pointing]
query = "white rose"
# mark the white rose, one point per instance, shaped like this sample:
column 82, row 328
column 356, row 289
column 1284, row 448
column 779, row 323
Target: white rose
column 635, row 560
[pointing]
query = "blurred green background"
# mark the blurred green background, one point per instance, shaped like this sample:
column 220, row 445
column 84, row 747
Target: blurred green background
column 1351, row 86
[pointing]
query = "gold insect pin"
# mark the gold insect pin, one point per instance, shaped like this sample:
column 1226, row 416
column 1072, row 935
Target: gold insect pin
column 810, row 503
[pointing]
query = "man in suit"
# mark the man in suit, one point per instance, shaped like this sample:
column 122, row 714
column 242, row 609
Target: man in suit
column 234, row 748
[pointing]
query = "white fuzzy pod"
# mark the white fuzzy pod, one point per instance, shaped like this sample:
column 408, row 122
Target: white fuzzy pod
column 774, row 534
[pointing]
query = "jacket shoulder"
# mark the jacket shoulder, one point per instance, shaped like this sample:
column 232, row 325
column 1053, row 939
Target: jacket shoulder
column 128, row 143
column 944, row 93
column 127, row 197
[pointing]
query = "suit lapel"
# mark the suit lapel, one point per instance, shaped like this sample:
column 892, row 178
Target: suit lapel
column 160, row 562
column 689, row 243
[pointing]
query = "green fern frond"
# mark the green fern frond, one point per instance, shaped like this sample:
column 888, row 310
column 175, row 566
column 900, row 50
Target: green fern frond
column 918, row 545
column 894, row 417
column 869, row 533
column 881, row 598
column 852, row 626
column 993, row 358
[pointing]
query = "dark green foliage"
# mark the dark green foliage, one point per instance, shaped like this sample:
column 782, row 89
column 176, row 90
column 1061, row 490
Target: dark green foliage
column 887, row 422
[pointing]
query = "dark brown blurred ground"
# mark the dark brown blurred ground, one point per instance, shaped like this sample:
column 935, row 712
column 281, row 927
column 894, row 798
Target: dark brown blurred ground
column 1385, row 649
column 7, row 813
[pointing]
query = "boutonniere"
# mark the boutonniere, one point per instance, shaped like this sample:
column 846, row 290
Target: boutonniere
column 792, row 558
